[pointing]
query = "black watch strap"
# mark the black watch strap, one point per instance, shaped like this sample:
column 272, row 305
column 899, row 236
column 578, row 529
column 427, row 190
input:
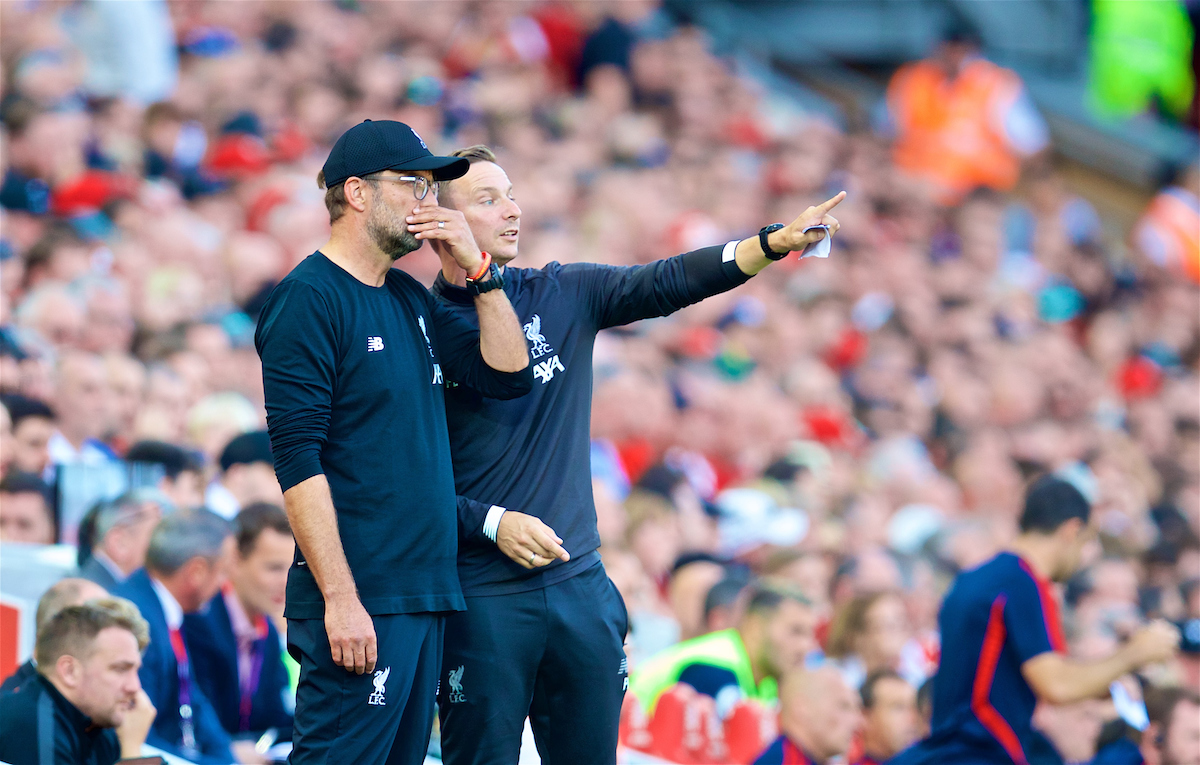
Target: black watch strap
column 766, row 247
column 495, row 282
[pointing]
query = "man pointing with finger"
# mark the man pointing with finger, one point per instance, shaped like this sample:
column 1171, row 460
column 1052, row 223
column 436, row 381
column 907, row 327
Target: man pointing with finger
column 544, row 628
column 354, row 355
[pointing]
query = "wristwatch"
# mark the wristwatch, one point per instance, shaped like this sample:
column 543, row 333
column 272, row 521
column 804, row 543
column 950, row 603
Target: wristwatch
column 495, row 282
column 766, row 248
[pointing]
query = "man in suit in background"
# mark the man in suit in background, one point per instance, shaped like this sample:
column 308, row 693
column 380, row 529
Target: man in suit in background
column 234, row 645
column 63, row 593
column 186, row 564
column 116, row 534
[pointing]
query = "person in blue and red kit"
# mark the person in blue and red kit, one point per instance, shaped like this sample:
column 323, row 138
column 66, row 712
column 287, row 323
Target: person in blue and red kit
column 1002, row 640
column 544, row 628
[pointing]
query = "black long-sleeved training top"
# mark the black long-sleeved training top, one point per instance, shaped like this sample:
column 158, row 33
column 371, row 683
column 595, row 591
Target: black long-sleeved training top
column 354, row 379
column 532, row 454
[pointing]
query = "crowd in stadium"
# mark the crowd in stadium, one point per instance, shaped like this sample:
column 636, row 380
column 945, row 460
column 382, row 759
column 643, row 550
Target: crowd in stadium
column 826, row 446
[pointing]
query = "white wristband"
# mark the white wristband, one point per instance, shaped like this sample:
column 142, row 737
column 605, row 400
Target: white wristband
column 491, row 524
column 729, row 252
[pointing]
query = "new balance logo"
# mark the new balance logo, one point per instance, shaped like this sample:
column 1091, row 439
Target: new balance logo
column 544, row 370
column 380, row 680
column 623, row 668
column 374, row 344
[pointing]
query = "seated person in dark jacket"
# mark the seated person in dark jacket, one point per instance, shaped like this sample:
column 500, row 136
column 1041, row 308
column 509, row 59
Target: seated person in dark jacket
column 234, row 645
column 85, row 705
column 63, row 593
column 114, row 535
column 189, row 556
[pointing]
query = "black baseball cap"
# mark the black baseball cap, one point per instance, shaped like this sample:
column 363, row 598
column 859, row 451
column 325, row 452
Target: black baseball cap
column 375, row 145
column 246, row 449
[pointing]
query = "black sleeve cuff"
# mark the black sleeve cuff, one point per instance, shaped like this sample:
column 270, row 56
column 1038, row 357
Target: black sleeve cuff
column 706, row 272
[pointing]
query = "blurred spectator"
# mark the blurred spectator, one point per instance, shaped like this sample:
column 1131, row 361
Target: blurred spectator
column 691, row 580
column 32, row 428
column 130, row 49
column 127, row 395
column 890, row 723
column 183, row 473
column 247, row 476
column 752, row 524
column 108, row 318
column 773, row 637
column 26, row 513
column 868, row 635
column 1141, row 58
column 818, row 714
column 87, row 686
column 725, row 601
column 1166, row 234
column 187, row 563
column 81, row 391
column 215, row 420
column 962, row 122
column 63, row 593
column 652, row 534
column 1173, row 737
column 115, row 535
column 234, row 645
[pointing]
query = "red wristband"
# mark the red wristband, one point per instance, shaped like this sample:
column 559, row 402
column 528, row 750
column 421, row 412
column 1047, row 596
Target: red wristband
column 483, row 269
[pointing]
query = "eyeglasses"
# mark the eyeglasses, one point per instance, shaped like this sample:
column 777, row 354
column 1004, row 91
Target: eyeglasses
column 421, row 184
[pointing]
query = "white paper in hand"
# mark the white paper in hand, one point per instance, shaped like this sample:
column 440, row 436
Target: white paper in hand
column 1131, row 710
column 818, row 249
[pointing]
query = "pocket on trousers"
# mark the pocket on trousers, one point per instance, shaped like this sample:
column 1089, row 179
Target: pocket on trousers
column 623, row 610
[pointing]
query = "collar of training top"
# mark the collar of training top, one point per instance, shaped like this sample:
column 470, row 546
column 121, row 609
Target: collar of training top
column 78, row 719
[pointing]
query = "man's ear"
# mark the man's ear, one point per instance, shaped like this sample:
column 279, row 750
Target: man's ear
column 356, row 193
column 69, row 670
column 1070, row 530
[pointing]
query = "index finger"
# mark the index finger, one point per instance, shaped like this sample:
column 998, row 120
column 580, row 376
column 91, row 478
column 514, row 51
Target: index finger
column 547, row 543
column 829, row 204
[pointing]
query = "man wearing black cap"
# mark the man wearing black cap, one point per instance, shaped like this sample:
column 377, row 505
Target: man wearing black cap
column 355, row 358
column 1003, row 647
column 544, row 629
column 183, row 470
column 247, row 476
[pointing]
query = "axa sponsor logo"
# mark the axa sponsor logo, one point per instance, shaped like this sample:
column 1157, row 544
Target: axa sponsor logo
column 544, row 370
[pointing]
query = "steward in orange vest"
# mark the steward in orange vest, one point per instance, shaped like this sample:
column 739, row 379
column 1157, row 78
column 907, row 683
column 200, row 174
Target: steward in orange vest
column 962, row 122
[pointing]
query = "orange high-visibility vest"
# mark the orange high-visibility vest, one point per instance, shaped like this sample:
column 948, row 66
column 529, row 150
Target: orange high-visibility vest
column 945, row 130
column 1174, row 218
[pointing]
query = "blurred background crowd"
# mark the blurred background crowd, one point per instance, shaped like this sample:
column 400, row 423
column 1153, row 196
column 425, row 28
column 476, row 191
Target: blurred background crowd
column 861, row 426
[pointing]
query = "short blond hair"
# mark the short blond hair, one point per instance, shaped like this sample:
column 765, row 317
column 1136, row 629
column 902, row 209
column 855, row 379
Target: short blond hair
column 73, row 630
column 475, row 154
